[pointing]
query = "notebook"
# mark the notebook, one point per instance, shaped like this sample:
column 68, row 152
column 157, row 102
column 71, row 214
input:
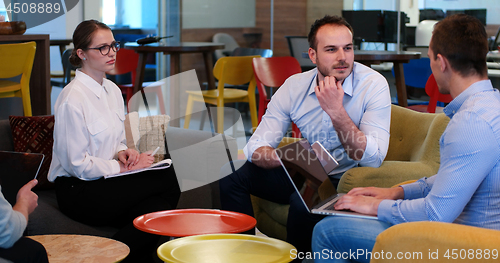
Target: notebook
column 17, row 170
column 301, row 158
column 155, row 166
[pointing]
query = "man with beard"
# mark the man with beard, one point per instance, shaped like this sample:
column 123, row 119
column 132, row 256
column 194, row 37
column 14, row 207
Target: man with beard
column 466, row 188
column 343, row 104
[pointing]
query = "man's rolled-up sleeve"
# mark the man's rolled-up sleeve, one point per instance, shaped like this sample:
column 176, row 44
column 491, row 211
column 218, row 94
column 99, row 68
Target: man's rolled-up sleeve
column 375, row 124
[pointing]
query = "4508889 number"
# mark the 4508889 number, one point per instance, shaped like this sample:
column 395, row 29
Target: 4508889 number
column 34, row 8
column 471, row 254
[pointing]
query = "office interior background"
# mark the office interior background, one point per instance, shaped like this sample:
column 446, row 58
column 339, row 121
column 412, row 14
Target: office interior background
column 253, row 23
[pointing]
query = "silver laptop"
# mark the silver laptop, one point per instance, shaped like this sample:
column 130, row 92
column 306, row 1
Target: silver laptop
column 312, row 161
column 299, row 157
column 17, row 170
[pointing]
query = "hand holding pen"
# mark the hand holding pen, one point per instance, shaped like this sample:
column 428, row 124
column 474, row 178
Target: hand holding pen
column 142, row 160
column 129, row 158
column 155, row 151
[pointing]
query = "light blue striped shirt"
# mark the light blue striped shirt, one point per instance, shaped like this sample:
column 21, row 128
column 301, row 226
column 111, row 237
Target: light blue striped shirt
column 367, row 101
column 12, row 224
column 466, row 189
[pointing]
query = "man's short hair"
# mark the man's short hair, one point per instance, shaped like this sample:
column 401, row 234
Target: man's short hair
column 461, row 39
column 327, row 20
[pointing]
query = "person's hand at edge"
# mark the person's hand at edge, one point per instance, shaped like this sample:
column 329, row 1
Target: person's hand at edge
column 145, row 160
column 380, row 193
column 129, row 158
column 367, row 205
column 26, row 200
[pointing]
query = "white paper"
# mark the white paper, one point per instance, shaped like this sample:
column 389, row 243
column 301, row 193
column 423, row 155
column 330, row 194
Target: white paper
column 156, row 166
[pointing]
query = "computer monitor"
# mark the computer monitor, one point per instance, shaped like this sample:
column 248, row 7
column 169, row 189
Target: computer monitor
column 366, row 24
column 410, row 35
column 390, row 31
column 477, row 13
column 375, row 25
column 431, row 14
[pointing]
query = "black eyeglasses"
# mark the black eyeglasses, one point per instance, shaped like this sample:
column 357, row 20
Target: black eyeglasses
column 115, row 45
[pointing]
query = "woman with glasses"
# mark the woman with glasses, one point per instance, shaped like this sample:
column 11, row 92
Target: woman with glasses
column 89, row 143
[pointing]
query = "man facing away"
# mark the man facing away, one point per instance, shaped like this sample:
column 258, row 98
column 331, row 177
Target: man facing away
column 466, row 189
column 342, row 104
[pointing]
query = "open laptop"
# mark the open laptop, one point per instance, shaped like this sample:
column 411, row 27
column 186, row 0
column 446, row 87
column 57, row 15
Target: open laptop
column 299, row 157
column 17, row 170
column 312, row 161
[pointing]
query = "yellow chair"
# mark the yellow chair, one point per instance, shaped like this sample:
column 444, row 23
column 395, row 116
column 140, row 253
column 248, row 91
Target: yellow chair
column 17, row 59
column 440, row 242
column 233, row 71
column 437, row 242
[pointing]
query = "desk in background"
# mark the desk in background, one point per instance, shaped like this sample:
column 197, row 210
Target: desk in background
column 493, row 56
column 40, row 75
column 493, row 62
column 62, row 43
column 369, row 57
column 174, row 50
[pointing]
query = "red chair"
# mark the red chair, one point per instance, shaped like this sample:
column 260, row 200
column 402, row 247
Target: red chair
column 432, row 90
column 272, row 72
column 126, row 61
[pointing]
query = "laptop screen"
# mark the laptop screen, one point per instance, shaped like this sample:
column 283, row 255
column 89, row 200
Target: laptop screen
column 17, row 170
column 297, row 172
column 300, row 157
column 300, row 163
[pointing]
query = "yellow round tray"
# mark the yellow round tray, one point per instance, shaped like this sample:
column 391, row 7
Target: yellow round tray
column 225, row 248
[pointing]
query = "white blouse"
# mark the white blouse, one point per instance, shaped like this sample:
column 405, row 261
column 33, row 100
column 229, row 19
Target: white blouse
column 89, row 129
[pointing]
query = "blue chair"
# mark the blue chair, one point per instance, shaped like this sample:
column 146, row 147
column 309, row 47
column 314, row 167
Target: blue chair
column 68, row 70
column 417, row 71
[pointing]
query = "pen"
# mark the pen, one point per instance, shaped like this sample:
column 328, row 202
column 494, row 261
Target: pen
column 153, row 153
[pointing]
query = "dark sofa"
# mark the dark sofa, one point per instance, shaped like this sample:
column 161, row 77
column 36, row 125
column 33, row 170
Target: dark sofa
column 210, row 155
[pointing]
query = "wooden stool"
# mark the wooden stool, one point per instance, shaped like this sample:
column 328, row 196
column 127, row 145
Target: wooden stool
column 80, row 248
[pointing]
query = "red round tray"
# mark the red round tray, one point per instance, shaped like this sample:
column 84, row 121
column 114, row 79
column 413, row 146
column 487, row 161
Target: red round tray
column 189, row 222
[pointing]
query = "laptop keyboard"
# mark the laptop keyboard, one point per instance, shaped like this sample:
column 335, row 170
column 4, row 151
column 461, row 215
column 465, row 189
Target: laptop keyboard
column 331, row 206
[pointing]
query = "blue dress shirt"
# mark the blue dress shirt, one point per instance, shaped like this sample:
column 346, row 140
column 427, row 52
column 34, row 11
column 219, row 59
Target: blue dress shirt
column 12, row 224
column 367, row 101
column 466, row 189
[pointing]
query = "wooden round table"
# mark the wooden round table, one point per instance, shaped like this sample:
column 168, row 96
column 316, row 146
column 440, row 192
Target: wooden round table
column 81, row 248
